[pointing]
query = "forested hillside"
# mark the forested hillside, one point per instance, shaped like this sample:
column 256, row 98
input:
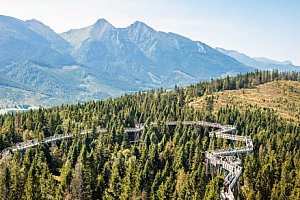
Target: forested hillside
column 168, row 163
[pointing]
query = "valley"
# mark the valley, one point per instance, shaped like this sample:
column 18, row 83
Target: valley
column 102, row 61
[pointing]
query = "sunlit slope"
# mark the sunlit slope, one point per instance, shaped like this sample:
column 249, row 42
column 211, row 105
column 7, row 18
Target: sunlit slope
column 282, row 96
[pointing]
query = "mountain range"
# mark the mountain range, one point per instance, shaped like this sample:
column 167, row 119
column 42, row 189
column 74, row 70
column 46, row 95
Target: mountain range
column 260, row 63
column 39, row 67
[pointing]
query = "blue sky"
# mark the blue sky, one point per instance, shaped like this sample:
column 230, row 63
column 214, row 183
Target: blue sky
column 269, row 28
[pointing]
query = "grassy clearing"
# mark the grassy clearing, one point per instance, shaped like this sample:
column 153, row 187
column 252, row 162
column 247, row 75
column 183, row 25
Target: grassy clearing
column 282, row 96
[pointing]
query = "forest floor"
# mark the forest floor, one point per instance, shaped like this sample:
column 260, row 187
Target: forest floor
column 282, row 96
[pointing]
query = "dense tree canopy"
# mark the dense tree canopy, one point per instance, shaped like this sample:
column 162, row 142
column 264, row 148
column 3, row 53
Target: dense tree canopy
column 167, row 163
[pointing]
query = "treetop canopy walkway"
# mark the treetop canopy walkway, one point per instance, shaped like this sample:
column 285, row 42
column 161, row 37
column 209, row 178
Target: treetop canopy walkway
column 214, row 157
column 218, row 158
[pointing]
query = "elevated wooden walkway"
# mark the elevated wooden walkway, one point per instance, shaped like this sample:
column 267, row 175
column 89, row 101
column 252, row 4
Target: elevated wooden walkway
column 216, row 157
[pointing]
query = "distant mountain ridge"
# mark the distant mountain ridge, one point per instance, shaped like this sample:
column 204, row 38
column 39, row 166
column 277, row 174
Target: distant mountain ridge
column 41, row 67
column 260, row 62
column 21, row 41
column 147, row 57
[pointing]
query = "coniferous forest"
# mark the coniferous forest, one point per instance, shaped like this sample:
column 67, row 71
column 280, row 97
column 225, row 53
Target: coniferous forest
column 167, row 163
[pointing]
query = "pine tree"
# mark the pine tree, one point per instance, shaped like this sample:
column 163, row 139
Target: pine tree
column 5, row 184
column 77, row 186
column 114, row 189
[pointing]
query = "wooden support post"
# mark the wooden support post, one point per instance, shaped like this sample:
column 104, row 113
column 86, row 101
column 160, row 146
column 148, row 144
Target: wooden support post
column 53, row 144
column 137, row 139
column 207, row 166
column 238, row 190
column 212, row 171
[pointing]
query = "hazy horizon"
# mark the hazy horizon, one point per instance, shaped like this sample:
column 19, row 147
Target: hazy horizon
column 258, row 29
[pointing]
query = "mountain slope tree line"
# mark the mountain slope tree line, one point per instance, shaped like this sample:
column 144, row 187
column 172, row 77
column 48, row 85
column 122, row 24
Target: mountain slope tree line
column 167, row 163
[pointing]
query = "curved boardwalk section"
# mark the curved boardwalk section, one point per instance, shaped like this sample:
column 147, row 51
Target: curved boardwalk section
column 222, row 158
column 216, row 158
